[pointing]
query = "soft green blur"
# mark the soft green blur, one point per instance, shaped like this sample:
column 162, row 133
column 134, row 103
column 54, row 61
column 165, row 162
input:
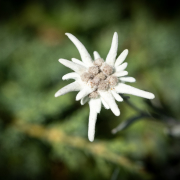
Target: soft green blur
column 43, row 137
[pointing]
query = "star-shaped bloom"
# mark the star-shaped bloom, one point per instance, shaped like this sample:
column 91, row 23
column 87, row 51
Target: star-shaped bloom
column 99, row 81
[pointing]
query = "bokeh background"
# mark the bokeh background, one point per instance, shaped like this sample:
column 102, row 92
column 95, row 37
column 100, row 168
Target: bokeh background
column 43, row 137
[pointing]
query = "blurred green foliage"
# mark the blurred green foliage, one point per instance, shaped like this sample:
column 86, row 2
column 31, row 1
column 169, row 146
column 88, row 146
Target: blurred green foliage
column 42, row 137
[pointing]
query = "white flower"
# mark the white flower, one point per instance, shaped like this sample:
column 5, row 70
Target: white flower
column 99, row 81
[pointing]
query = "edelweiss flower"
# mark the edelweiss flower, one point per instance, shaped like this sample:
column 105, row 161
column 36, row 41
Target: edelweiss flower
column 99, row 82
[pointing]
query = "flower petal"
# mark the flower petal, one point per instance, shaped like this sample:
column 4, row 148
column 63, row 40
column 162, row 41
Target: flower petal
column 72, row 75
column 93, row 105
column 121, row 58
column 77, row 61
column 117, row 96
column 84, row 92
column 97, row 103
column 75, row 67
column 120, row 73
column 86, row 58
column 104, row 104
column 92, row 123
column 111, row 57
column 109, row 99
column 84, row 100
column 121, row 67
column 128, row 79
column 96, row 55
column 124, row 88
column 75, row 86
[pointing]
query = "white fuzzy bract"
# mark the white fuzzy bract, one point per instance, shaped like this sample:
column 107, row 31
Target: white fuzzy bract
column 98, row 81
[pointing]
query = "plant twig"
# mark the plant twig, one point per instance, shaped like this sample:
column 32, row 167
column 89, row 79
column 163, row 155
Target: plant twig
column 53, row 135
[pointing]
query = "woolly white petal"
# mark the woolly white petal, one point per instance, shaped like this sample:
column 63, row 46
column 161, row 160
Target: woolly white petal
column 109, row 99
column 75, row 86
column 97, row 104
column 128, row 79
column 96, row 55
column 120, row 73
column 121, row 67
column 124, row 88
column 84, row 92
column 86, row 58
column 92, row 118
column 117, row 96
column 104, row 104
column 84, row 100
column 77, row 61
column 121, row 57
column 111, row 57
column 75, row 67
column 72, row 75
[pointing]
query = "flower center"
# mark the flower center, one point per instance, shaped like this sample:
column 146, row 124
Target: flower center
column 100, row 77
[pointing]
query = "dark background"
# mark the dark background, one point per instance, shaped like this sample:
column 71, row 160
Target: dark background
column 43, row 137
